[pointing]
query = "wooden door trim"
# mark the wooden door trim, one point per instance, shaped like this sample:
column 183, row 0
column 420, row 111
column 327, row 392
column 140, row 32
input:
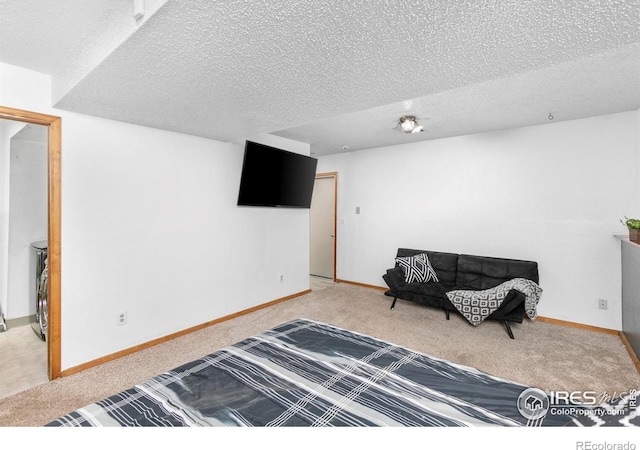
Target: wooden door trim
column 53, row 123
column 333, row 175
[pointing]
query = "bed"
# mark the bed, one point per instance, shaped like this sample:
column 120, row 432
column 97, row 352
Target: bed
column 306, row 373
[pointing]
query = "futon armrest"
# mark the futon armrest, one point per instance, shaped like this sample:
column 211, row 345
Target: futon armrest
column 394, row 278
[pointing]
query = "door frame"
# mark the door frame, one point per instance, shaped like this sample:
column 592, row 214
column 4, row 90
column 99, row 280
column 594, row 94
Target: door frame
column 53, row 124
column 333, row 175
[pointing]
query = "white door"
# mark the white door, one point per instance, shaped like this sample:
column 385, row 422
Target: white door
column 322, row 227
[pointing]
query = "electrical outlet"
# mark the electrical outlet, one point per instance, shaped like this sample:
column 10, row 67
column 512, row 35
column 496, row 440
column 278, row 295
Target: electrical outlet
column 281, row 278
column 121, row 318
column 602, row 304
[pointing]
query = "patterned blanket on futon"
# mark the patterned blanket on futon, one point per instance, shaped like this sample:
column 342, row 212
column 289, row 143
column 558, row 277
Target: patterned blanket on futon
column 476, row 306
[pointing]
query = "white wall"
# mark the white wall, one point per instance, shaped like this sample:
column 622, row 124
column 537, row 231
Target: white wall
column 4, row 216
column 27, row 221
column 553, row 194
column 8, row 129
column 150, row 226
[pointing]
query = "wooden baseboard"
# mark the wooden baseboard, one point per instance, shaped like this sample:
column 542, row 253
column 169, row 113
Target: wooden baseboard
column 20, row 321
column 128, row 351
column 370, row 286
column 577, row 325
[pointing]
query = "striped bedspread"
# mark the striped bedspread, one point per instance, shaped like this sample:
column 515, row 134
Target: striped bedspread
column 307, row 373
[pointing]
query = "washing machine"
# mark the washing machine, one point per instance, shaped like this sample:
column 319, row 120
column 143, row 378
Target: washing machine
column 38, row 290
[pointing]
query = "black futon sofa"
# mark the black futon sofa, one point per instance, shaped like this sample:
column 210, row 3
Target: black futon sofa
column 459, row 271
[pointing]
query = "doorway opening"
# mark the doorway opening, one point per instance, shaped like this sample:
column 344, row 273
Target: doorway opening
column 53, row 124
column 323, row 227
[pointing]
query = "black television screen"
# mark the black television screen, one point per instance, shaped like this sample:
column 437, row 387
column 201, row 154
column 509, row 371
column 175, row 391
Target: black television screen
column 275, row 177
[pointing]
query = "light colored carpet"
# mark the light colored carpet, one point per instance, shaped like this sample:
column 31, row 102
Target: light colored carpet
column 544, row 355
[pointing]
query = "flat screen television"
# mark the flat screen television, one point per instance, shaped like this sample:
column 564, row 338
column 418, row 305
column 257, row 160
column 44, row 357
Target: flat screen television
column 274, row 177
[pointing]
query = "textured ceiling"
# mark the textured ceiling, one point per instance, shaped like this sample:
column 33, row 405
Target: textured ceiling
column 331, row 73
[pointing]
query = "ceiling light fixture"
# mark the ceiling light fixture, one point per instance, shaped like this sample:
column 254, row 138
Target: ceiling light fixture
column 408, row 124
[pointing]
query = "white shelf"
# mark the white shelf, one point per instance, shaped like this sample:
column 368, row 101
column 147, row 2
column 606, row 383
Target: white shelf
column 625, row 238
